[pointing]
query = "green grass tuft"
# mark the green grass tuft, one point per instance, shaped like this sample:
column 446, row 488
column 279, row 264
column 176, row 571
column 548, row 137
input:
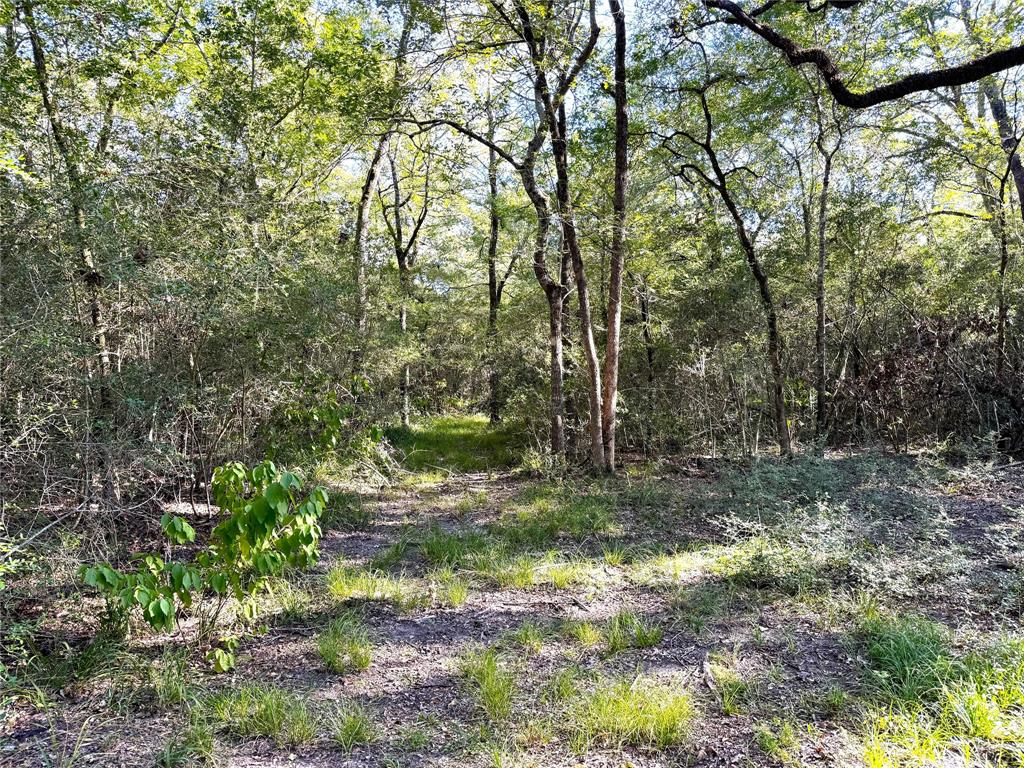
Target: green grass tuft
column 351, row 726
column 458, row 443
column 345, row 645
column 639, row 713
column 493, row 685
column 450, row 589
column 263, row 710
column 627, row 630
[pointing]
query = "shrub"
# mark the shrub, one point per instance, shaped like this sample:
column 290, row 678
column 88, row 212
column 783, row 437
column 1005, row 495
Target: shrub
column 269, row 526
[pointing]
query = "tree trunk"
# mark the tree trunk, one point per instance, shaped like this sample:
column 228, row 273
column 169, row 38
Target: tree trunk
column 493, row 290
column 820, row 377
column 554, row 292
column 612, row 340
column 1002, row 311
column 1007, row 138
column 555, row 299
column 771, row 321
column 359, row 252
column 565, row 213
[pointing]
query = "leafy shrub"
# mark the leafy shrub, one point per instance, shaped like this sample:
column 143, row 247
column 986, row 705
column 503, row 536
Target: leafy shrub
column 269, row 526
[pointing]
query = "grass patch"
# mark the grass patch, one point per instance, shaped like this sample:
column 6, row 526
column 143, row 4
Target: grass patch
column 732, row 688
column 761, row 563
column 449, row 588
column 458, row 443
column 171, row 679
column 289, row 604
column 778, row 740
column 351, row 726
column 909, row 655
column 346, row 512
column 347, row 583
column 562, row 686
column 939, row 706
column 529, row 636
column 639, row 713
column 493, row 686
column 264, row 710
column 345, row 645
column 586, row 633
column 390, row 556
column 702, row 604
column 442, row 548
column 522, row 570
column 627, row 630
column 552, row 512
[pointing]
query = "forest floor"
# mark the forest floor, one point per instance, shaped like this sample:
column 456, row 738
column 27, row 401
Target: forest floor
column 860, row 609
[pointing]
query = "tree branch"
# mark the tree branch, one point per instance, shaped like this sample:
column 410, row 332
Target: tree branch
column 947, row 77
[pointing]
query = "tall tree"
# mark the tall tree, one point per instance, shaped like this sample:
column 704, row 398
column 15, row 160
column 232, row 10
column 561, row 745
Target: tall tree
column 618, row 245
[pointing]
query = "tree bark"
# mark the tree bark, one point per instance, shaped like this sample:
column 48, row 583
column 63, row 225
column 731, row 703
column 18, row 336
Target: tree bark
column 493, row 288
column 359, row 252
column 568, row 227
column 618, row 246
column 821, row 374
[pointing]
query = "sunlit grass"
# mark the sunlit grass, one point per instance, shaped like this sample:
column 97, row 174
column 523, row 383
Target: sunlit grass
column 264, row 710
column 347, row 583
column 351, row 726
column 937, row 703
column 345, row 645
column 457, row 443
column 641, row 713
column 493, row 685
column 732, row 688
column 450, row 589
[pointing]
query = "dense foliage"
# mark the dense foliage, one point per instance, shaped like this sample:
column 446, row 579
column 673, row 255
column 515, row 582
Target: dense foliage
column 234, row 229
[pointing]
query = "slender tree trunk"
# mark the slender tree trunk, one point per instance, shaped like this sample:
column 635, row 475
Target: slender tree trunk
column 359, row 252
column 617, row 261
column 1002, row 311
column 820, row 378
column 493, row 290
column 555, row 300
column 572, row 415
column 565, row 212
column 771, row 320
column 553, row 291
column 1007, row 137
column 772, row 324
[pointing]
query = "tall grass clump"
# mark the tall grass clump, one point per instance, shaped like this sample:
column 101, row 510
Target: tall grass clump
column 639, row 713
